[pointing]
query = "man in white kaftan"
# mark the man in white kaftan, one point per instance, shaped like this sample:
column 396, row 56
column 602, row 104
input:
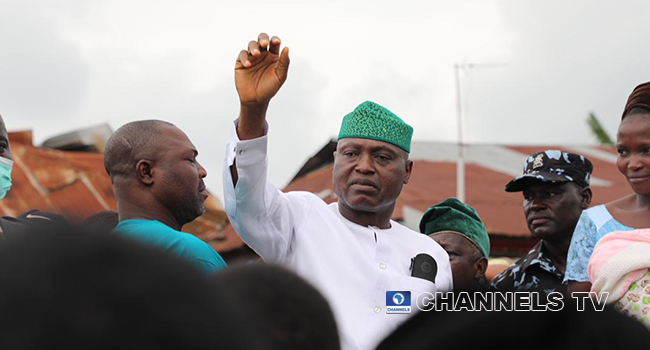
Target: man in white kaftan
column 351, row 250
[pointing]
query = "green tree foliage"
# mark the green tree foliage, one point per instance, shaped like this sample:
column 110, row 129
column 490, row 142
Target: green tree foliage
column 599, row 131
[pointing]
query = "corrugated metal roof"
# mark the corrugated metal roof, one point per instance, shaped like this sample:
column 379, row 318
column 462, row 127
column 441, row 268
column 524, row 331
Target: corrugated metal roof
column 77, row 186
column 92, row 139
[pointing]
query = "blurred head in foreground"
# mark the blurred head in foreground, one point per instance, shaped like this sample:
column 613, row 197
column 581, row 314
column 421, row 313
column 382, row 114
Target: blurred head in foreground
column 73, row 290
column 104, row 221
column 289, row 312
column 565, row 329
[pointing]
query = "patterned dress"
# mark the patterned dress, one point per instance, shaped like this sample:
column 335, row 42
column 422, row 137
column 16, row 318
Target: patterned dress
column 594, row 223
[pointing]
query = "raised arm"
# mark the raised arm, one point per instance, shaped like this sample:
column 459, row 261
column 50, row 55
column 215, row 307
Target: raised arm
column 260, row 72
column 263, row 216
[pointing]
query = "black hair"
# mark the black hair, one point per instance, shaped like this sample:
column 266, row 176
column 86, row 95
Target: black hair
column 637, row 111
column 563, row 329
column 287, row 310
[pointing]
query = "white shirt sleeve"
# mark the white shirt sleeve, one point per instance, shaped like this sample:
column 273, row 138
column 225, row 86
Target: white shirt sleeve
column 263, row 216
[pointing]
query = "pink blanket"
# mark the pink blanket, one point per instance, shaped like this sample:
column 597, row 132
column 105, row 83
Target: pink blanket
column 619, row 259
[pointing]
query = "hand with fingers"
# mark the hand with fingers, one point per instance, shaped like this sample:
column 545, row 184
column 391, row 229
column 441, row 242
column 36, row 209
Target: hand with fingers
column 260, row 71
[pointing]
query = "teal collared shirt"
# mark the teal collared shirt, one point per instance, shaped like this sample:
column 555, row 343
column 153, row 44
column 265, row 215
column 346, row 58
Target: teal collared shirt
column 182, row 244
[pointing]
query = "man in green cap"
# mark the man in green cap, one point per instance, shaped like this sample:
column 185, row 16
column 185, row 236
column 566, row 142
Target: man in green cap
column 351, row 250
column 458, row 229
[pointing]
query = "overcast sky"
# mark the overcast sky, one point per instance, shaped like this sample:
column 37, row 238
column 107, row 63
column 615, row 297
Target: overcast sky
column 77, row 63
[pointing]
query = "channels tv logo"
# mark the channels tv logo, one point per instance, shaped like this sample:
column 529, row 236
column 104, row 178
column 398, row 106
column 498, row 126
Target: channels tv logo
column 398, row 302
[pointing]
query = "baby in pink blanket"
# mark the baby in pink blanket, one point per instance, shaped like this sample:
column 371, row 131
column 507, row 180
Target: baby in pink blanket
column 620, row 266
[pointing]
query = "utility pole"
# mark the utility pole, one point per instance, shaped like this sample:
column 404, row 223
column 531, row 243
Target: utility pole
column 460, row 163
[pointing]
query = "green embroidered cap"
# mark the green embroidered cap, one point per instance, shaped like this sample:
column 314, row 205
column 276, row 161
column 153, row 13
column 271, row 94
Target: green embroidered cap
column 372, row 121
column 454, row 216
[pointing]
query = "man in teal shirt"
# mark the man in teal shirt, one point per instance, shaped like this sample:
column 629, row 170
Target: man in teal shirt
column 158, row 184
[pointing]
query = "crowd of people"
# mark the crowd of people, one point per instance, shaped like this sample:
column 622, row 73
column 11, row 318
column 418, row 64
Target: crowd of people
column 133, row 279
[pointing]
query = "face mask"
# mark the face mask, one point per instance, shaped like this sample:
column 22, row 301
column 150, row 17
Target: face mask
column 5, row 176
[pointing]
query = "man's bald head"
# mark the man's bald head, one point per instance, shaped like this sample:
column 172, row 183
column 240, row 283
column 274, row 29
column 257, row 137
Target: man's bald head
column 155, row 173
column 130, row 143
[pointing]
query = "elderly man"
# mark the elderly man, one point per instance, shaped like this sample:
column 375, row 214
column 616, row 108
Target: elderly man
column 459, row 230
column 555, row 186
column 158, row 185
column 351, row 250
